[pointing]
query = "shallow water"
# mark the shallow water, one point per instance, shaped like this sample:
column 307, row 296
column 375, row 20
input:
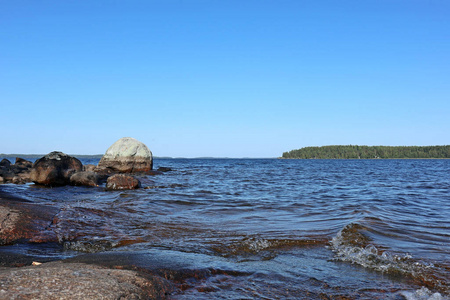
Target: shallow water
column 268, row 228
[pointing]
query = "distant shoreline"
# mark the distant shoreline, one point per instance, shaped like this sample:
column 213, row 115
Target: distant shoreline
column 369, row 152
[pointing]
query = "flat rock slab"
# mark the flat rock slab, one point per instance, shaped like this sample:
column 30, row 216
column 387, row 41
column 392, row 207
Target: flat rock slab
column 58, row 280
column 25, row 221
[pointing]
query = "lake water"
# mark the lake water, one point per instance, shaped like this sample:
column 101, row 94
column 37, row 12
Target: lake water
column 269, row 228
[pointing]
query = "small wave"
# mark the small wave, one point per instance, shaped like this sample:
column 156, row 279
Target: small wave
column 422, row 294
column 352, row 245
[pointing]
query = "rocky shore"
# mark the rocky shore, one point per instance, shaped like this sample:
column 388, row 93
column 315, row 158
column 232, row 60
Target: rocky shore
column 23, row 221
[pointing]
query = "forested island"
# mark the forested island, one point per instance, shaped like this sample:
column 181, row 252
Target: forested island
column 369, row 152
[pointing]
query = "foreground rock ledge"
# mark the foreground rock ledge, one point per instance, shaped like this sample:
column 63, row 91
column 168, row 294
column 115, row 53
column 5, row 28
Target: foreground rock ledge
column 58, row 280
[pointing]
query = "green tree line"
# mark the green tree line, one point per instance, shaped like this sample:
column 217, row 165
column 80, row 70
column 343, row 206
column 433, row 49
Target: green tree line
column 369, row 152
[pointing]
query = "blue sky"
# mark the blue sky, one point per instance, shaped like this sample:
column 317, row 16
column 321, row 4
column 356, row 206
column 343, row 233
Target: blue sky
column 223, row 78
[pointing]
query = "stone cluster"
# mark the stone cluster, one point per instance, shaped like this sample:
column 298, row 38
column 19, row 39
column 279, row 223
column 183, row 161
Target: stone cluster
column 126, row 156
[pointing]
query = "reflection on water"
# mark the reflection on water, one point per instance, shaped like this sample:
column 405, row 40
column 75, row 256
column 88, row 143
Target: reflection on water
column 295, row 228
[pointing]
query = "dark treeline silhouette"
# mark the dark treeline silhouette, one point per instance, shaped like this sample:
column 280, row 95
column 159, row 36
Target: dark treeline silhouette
column 369, row 152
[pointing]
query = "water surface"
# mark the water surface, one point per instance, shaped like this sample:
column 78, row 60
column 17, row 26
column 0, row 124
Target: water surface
column 270, row 229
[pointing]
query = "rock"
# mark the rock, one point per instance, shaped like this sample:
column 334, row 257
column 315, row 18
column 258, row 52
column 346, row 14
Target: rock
column 7, row 175
column 18, row 180
column 22, row 221
column 25, row 176
column 5, row 164
column 89, row 168
column 55, row 169
column 21, row 166
column 58, row 280
column 23, row 163
column 1, row 179
column 122, row 182
column 164, row 169
column 17, row 173
column 127, row 155
column 5, row 171
column 86, row 178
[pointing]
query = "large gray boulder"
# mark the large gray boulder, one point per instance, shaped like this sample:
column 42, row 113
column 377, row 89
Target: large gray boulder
column 55, row 169
column 127, row 155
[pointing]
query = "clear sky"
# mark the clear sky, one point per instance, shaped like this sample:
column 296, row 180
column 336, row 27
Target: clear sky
column 247, row 78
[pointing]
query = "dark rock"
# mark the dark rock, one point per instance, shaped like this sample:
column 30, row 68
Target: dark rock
column 127, row 155
column 7, row 175
column 122, row 182
column 22, row 221
column 23, row 162
column 87, row 178
column 58, row 280
column 5, row 164
column 55, row 169
column 18, row 173
column 164, row 169
column 21, row 166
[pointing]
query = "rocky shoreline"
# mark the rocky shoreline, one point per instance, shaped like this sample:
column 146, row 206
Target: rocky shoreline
column 22, row 221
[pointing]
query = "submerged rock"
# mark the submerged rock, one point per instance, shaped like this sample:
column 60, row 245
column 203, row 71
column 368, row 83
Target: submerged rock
column 22, row 221
column 122, row 182
column 58, row 280
column 55, row 169
column 127, row 155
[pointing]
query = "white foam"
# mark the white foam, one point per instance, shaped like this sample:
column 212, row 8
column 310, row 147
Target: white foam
column 422, row 294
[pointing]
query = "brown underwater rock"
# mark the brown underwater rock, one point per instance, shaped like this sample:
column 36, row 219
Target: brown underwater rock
column 127, row 155
column 58, row 280
column 55, row 169
column 24, row 221
column 122, row 182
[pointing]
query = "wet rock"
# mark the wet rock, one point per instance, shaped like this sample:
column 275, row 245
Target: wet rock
column 22, row 221
column 55, row 169
column 58, row 280
column 127, row 155
column 122, row 182
column 87, row 178
column 164, row 169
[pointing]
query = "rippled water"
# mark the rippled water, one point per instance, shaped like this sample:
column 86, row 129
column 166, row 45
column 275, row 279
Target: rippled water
column 271, row 229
